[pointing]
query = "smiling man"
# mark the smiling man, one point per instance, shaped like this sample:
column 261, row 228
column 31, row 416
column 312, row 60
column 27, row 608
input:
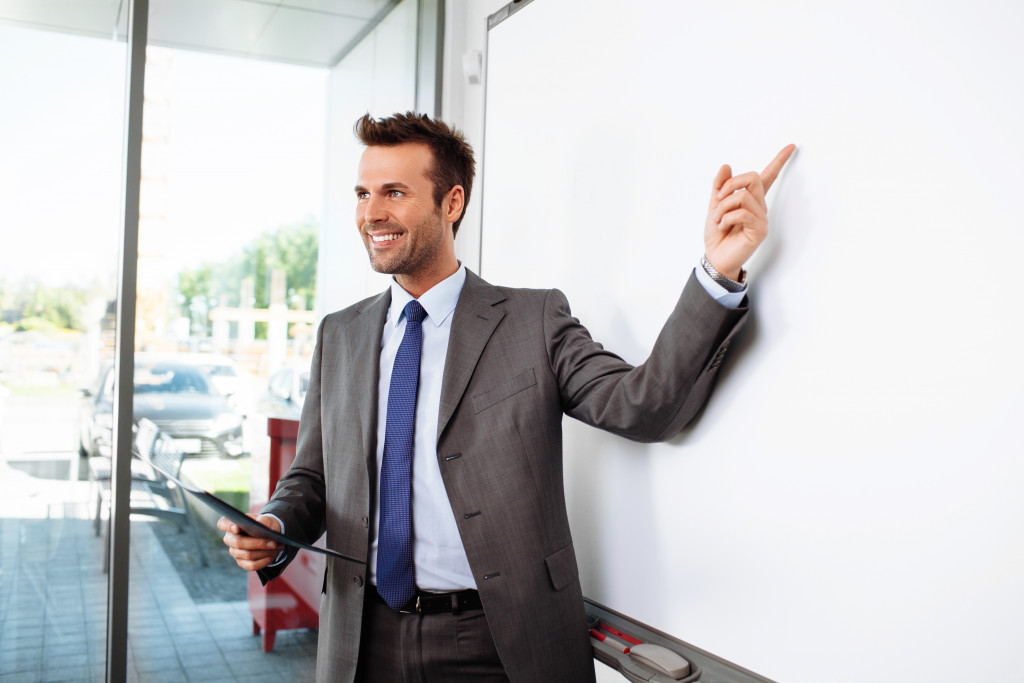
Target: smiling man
column 406, row 229
column 430, row 443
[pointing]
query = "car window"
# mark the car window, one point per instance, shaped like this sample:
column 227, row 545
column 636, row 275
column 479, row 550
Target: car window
column 220, row 370
column 170, row 379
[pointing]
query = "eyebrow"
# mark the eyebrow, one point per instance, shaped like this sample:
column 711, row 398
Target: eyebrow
column 385, row 187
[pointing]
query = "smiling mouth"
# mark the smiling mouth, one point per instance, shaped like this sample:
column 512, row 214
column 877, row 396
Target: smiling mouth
column 382, row 239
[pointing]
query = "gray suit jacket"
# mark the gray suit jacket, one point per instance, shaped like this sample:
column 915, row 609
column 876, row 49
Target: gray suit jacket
column 517, row 361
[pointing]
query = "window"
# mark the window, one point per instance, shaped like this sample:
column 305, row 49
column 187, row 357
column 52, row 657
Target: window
column 238, row 130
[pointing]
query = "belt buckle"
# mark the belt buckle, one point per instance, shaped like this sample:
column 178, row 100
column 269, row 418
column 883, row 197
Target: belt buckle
column 419, row 608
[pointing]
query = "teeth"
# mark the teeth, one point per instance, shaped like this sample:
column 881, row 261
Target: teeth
column 384, row 238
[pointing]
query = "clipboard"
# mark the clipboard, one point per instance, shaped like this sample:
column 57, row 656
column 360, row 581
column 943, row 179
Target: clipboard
column 246, row 523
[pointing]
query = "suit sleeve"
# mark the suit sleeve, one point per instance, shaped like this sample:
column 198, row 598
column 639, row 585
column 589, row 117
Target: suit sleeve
column 652, row 401
column 300, row 497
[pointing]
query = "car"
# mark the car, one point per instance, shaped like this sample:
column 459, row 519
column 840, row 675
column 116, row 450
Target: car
column 222, row 370
column 286, row 391
column 176, row 393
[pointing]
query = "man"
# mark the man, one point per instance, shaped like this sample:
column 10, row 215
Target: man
column 430, row 440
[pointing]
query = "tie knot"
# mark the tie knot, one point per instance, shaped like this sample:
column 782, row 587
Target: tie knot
column 414, row 312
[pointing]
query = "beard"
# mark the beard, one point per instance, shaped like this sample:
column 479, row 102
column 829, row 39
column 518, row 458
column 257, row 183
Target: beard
column 419, row 253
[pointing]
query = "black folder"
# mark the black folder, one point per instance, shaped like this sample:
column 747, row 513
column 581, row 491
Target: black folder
column 246, row 523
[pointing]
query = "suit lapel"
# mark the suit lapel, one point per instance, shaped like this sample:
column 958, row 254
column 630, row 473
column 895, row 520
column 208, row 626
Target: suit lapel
column 474, row 321
column 364, row 371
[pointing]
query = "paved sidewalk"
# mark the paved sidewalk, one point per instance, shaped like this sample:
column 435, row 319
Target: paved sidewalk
column 53, row 596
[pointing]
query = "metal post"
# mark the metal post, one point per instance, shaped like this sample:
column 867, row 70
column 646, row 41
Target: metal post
column 429, row 56
column 124, row 368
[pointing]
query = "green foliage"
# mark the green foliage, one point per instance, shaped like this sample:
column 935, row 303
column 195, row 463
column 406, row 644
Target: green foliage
column 292, row 249
column 33, row 306
column 36, row 323
column 193, row 283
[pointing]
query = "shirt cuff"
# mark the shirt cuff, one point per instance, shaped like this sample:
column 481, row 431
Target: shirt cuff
column 283, row 555
column 717, row 291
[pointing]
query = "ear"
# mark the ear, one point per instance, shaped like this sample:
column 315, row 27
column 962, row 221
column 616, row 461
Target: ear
column 453, row 203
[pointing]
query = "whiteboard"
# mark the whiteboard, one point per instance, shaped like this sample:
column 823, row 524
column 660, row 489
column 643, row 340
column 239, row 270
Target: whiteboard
column 850, row 504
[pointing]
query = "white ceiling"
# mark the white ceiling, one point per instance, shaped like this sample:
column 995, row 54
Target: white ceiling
column 308, row 32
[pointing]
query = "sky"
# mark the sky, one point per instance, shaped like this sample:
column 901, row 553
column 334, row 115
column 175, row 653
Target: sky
column 237, row 150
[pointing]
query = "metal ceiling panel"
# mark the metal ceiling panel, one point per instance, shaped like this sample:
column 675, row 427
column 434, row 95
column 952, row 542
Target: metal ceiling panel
column 355, row 9
column 292, row 37
column 306, row 32
column 223, row 26
column 91, row 18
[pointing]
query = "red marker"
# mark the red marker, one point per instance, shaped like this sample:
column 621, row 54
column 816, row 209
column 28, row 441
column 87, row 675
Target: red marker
column 619, row 634
column 608, row 640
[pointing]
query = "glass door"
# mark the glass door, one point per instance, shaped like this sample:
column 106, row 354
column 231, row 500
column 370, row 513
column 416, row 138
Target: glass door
column 60, row 187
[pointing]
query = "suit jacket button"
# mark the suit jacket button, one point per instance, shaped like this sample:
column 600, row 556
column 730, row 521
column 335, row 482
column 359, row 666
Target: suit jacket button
column 366, row 522
column 358, row 581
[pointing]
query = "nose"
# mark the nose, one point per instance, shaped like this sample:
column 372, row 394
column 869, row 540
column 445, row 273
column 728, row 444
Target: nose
column 374, row 211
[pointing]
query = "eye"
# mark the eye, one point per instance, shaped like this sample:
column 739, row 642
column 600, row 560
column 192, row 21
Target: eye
column 396, row 193
column 362, row 195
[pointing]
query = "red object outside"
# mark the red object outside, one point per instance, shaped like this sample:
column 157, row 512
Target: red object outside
column 293, row 599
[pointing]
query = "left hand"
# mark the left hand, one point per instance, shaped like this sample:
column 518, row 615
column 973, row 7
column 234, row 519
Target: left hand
column 249, row 552
column 738, row 216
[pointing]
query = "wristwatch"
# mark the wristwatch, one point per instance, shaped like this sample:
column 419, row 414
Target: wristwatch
column 727, row 283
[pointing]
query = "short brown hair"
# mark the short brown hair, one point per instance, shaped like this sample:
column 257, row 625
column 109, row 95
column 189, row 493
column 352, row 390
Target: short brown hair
column 453, row 156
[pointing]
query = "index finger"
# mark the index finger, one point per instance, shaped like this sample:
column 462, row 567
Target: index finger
column 772, row 170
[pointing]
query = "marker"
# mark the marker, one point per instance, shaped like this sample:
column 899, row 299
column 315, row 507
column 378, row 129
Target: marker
column 608, row 640
column 619, row 634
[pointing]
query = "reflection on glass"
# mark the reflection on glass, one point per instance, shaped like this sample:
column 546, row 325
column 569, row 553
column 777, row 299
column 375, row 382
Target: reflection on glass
column 60, row 178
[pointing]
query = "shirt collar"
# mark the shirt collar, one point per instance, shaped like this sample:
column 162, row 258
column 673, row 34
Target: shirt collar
column 439, row 301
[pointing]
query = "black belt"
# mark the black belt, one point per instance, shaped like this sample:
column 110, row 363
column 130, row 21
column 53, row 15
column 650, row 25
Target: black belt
column 437, row 603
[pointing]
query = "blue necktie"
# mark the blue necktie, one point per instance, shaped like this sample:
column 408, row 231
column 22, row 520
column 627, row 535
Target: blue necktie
column 396, row 576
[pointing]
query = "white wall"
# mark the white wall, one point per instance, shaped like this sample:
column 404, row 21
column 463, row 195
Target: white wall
column 848, row 507
column 379, row 77
column 463, row 103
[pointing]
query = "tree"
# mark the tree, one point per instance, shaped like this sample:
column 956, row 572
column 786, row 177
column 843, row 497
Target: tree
column 33, row 305
column 292, row 248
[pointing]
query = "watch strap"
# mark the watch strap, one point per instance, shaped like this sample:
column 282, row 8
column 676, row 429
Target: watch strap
column 727, row 283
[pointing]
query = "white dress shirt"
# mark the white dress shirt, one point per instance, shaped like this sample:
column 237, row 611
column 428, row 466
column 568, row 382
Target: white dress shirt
column 439, row 555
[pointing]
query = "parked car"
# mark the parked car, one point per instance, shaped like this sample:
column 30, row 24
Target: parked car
column 176, row 393
column 222, row 370
column 286, row 391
